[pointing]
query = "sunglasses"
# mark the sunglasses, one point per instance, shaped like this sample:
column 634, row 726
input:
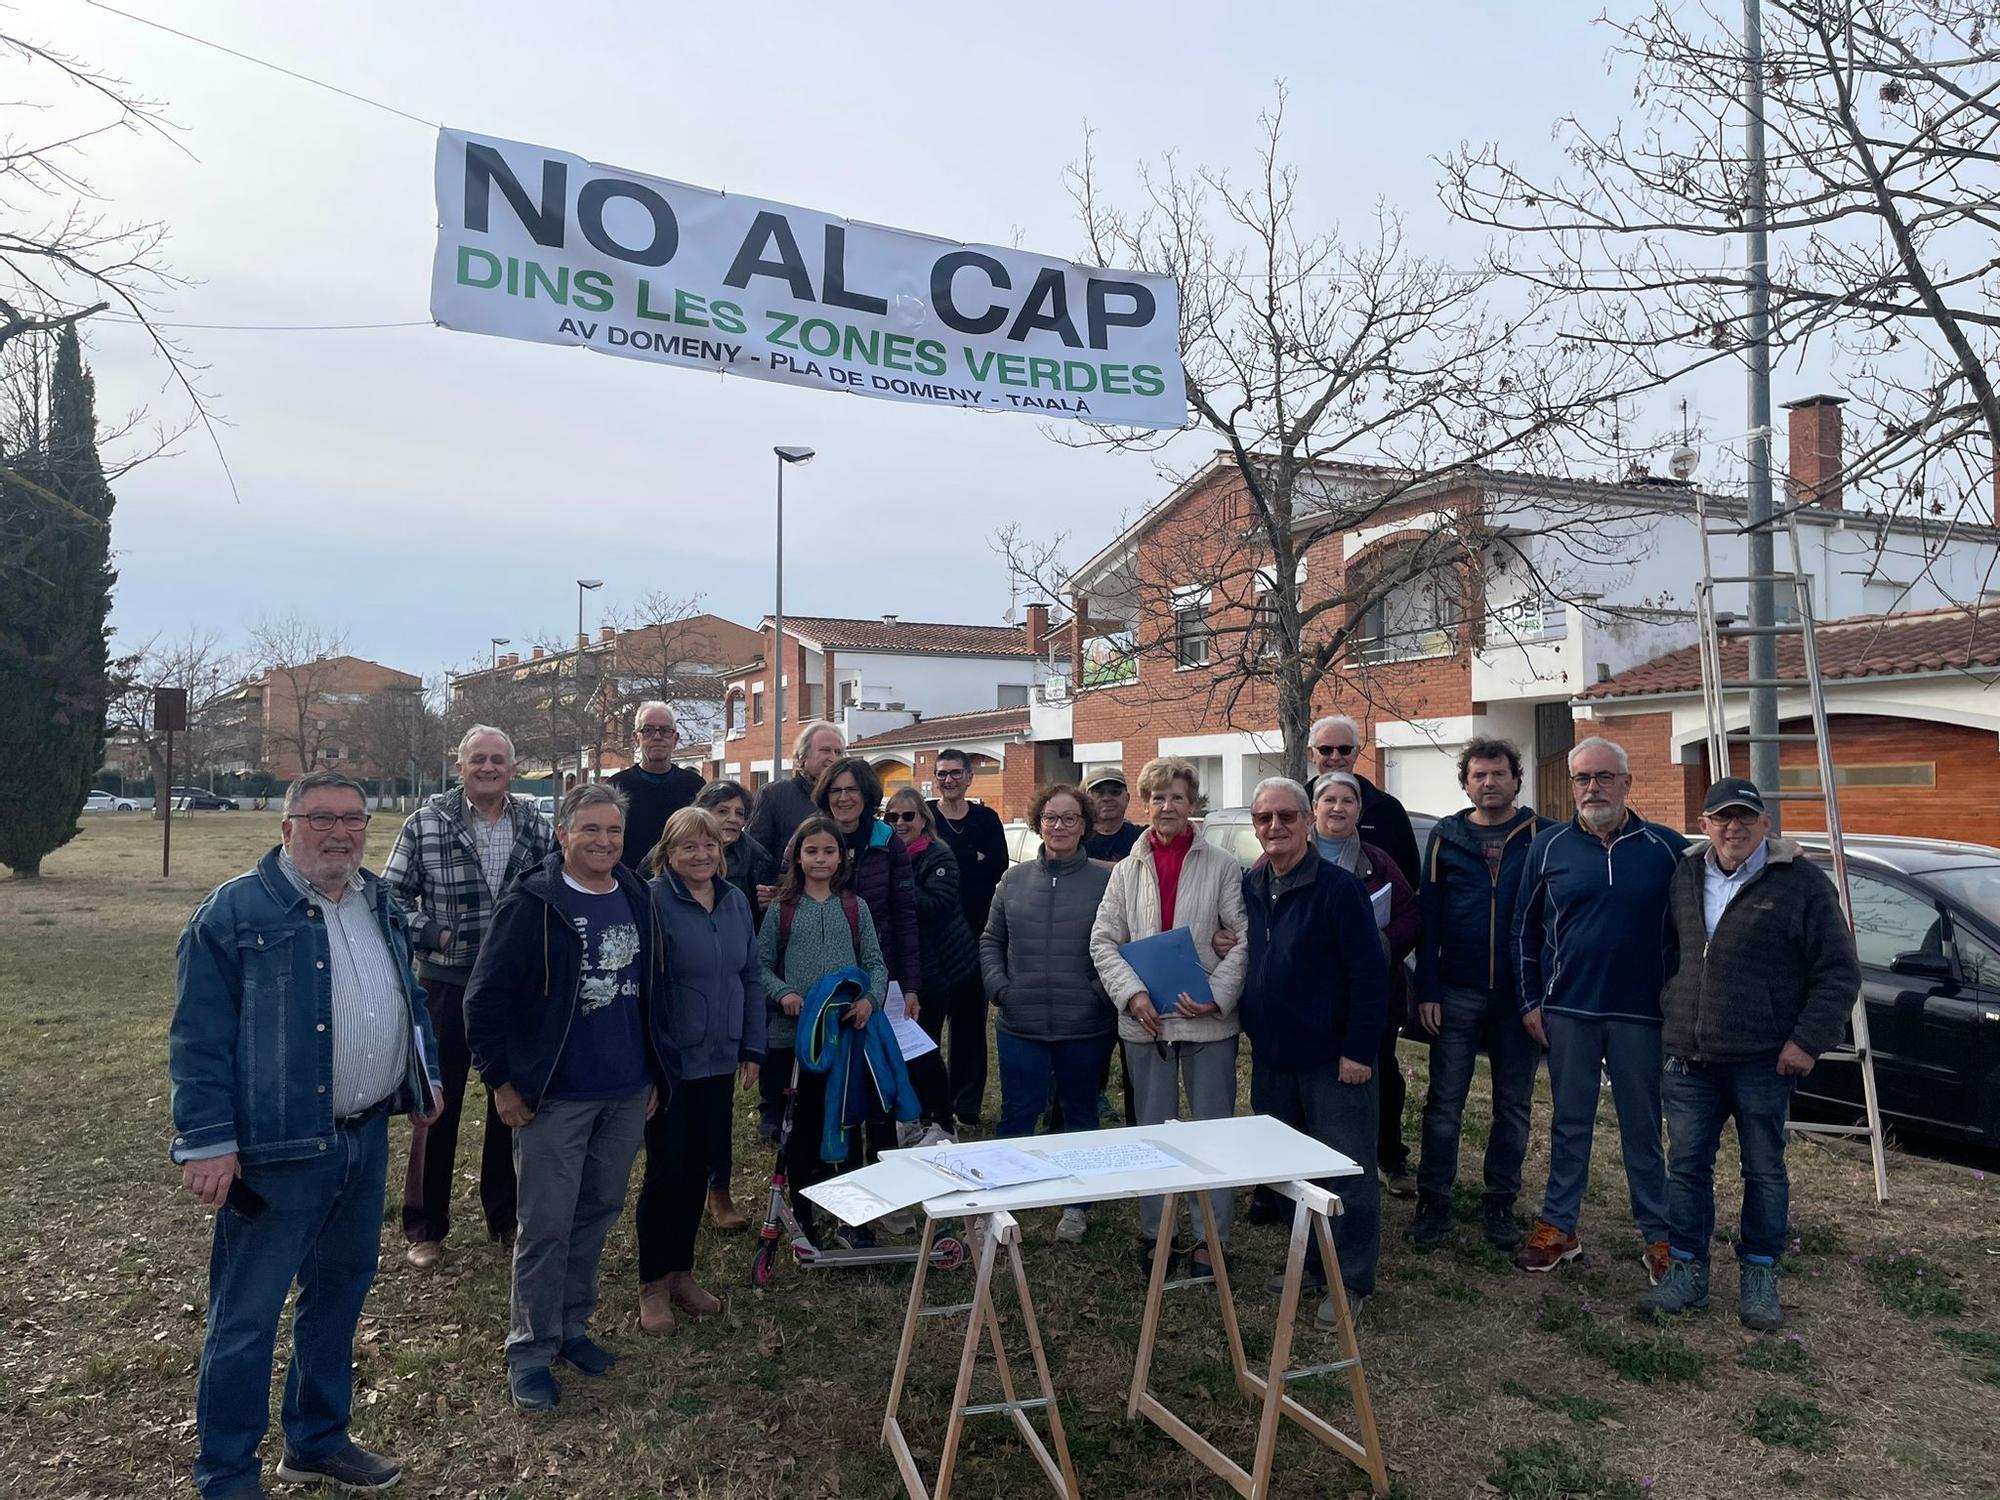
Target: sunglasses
column 908, row 815
column 1334, row 749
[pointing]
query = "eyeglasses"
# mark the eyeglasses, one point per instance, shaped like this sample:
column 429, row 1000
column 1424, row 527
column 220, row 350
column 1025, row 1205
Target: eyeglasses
column 843, row 791
column 1061, row 820
column 1583, row 780
column 1286, row 816
column 1734, row 815
column 1334, row 749
column 322, row 822
column 952, row 775
column 657, row 731
column 908, row 815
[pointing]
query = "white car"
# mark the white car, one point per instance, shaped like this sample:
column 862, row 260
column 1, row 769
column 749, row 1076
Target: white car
column 105, row 802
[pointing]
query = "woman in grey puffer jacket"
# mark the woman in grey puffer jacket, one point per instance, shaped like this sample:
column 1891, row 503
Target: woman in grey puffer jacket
column 1053, row 1019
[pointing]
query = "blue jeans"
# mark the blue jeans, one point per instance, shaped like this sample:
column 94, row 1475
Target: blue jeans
column 1699, row 1097
column 323, row 1228
column 1344, row 1116
column 1028, row 1068
column 1580, row 1050
column 1473, row 1021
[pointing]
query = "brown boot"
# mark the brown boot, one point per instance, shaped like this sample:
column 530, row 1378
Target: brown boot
column 656, row 1306
column 722, row 1213
column 691, row 1299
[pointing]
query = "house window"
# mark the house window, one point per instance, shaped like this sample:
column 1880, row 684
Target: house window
column 1920, row 773
column 1012, row 695
column 1190, row 608
column 1263, row 586
column 1417, row 617
column 849, row 690
column 757, row 703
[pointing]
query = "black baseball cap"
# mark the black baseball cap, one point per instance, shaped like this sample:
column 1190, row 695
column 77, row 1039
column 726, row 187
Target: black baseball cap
column 1733, row 791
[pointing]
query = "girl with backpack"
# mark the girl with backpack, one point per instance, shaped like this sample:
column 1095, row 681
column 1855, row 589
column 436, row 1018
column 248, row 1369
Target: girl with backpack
column 815, row 926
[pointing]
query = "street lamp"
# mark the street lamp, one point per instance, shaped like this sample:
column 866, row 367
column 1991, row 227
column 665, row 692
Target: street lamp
column 498, row 642
column 583, row 586
column 785, row 456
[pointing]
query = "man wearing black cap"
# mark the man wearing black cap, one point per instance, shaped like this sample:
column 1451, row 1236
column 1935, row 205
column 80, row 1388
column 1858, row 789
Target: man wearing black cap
column 1110, row 838
column 1765, row 978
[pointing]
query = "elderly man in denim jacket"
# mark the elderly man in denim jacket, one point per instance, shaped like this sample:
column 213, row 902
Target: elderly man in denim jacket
column 298, row 1030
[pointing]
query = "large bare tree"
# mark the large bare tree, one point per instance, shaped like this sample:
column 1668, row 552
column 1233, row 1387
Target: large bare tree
column 1350, row 383
column 298, row 661
column 197, row 664
column 1883, row 198
column 666, row 654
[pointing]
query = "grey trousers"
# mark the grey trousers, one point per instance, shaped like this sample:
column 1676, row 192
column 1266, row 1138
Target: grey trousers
column 573, row 1164
column 1207, row 1070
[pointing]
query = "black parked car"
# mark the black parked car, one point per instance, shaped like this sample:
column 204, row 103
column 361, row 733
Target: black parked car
column 200, row 799
column 1927, row 924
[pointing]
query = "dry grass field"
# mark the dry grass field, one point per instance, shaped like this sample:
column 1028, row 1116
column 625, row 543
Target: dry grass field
column 1486, row 1382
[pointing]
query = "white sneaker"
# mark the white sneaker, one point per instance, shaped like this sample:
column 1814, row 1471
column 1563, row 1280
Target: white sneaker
column 1072, row 1227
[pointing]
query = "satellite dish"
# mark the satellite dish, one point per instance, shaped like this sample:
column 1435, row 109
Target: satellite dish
column 1683, row 462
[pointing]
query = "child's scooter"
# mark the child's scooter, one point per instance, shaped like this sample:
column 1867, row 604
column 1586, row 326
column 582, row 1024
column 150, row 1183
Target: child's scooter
column 947, row 1253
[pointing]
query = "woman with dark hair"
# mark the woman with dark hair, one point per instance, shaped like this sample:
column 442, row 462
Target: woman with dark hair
column 950, row 952
column 1053, row 1018
column 749, row 866
column 849, row 792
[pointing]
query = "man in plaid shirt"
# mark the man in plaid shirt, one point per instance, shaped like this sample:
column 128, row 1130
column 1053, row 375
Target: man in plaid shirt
column 454, row 859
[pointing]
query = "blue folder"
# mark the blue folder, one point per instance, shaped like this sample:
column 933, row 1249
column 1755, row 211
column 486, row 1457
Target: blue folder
column 1168, row 967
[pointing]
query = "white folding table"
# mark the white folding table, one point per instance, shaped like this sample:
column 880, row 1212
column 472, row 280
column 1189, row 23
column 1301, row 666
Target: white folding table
column 1245, row 1151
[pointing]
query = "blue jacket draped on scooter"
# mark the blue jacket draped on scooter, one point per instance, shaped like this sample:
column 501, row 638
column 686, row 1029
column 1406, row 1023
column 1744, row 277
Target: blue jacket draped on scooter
column 864, row 1066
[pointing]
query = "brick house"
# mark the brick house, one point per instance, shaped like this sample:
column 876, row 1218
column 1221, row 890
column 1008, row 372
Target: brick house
column 1913, row 720
column 1548, row 586
column 1006, row 765
column 872, row 677
column 286, row 716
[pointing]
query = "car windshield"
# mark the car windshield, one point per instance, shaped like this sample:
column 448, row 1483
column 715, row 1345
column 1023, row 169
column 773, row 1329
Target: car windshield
column 1973, row 886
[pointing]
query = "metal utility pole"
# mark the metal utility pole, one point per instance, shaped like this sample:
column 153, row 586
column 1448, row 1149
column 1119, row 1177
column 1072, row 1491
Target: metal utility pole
column 583, row 586
column 1763, row 645
column 785, row 456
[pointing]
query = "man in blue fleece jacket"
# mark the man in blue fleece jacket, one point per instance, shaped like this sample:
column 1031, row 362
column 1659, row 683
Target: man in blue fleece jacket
column 1315, row 999
column 1590, row 934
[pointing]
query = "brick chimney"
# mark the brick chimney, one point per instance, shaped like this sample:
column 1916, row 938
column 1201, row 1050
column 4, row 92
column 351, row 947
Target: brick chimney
column 538, row 654
column 606, row 633
column 583, row 642
column 511, row 659
column 1037, row 627
column 1816, row 460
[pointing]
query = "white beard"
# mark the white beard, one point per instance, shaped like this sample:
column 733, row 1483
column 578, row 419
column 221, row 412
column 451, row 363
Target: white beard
column 1600, row 819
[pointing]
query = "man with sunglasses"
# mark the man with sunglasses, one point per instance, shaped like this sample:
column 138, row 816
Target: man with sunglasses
column 977, row 839
column 654, row 787
column 1764, row 980
column 1591, row 935
column 1335, row 743
column 298, row 1030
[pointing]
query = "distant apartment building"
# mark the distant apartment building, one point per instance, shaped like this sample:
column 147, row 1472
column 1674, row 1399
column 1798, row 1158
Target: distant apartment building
column 316, row 716
column 566, row 706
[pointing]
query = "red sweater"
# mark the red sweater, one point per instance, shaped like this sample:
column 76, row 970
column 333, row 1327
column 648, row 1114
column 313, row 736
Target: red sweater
column 1167, row 861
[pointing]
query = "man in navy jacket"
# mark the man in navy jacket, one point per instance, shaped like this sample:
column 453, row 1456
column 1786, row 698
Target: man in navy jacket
column 1465, row 990
column 1591, row 944
column 1315, row 999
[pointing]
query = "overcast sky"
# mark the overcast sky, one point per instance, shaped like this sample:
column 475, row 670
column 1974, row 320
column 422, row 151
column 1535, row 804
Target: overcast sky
column 425, row 490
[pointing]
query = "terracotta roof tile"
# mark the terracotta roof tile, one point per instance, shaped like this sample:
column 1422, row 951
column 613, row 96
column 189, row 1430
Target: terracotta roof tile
column 1935, row 640
column 982, row 725
column 909, row 635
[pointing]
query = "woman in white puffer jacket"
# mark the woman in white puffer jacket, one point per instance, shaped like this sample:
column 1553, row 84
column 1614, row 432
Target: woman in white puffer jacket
column 1172, row 1042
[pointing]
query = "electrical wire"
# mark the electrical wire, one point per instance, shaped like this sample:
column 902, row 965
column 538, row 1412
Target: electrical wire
column 276, row 327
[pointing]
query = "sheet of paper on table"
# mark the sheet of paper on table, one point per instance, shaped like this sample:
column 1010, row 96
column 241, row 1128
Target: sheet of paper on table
column 910, row 1037
column 874, row 1190
column 1100, row 1161
column 991, row 1166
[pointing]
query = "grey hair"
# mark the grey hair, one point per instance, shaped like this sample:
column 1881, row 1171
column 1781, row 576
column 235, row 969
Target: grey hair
column 639, row 713
column 320, row 781
column 804, row 742
column 465, row 740
column 1328, row 721
column 587, row 794
column 1598, row 742
column 1326, row 779
column 1286, row 785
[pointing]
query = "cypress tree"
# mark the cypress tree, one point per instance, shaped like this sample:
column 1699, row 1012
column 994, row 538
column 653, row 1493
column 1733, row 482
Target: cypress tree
column 55, row 594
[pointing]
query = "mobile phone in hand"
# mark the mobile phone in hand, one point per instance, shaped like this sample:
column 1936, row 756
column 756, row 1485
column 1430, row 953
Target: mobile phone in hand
column 245, row 1199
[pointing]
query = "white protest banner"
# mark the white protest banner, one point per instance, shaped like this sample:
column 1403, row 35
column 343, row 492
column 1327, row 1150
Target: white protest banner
column 540, row 245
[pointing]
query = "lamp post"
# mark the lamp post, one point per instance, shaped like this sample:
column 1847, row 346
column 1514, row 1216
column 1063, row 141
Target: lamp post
column 785, row 456
column 498, row 642
column 583, row 586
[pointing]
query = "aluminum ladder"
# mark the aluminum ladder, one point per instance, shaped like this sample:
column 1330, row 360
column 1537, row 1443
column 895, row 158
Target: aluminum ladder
column 1717, row 626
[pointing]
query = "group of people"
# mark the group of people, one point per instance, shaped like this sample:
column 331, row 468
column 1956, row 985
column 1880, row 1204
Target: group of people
column 616, row 978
